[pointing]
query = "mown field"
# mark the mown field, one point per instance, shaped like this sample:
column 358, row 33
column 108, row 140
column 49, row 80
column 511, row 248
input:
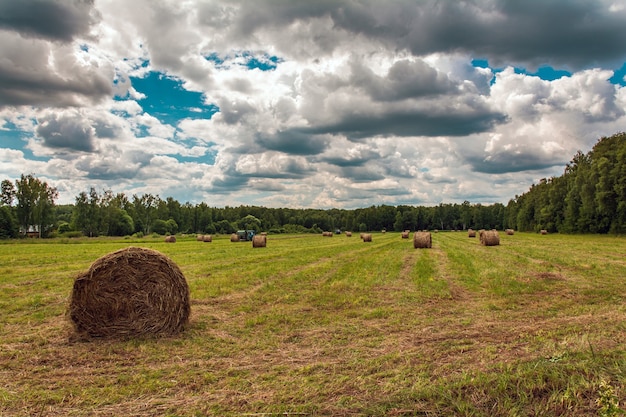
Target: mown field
column 319, row 326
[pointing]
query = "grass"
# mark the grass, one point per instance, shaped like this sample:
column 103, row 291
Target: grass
column 320, row 326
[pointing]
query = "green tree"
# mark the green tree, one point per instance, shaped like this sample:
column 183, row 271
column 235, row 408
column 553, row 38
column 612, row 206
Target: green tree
column 121, row 223
column 35, row 203
column 8, row 223
column 7, row 195
column 145, row 210
column 86, row 217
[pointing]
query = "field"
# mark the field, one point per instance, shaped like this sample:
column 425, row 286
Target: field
column 332, row 326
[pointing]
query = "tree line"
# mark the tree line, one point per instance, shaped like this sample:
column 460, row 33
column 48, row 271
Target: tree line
column 590, row 197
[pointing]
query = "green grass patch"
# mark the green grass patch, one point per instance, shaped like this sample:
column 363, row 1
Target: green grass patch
column 314, row 326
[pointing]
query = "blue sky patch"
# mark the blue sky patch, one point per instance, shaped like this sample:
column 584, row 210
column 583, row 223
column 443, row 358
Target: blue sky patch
column 545, row 72
column 618, row 76
column 208, row 158
column 263, row 62
column 168, row 101
column 16, row 139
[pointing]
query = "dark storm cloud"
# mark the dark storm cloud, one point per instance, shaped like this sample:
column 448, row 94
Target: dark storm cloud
column 67, row 132
column 42, row 88
column 407, row 123
column 361, row 174
column 503, row 162
column 58, row 20
column 228, row 184
column 341, row 160
column 571, row 33
column 293, row 142
column 405, row 79
column 119, row 165
column 33, row 73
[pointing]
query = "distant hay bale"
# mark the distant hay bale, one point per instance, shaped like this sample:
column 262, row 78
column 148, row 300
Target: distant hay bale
column 207, row 238
column 471, row 233
column 200, row 238
column 510, row 232
column 130, row 292
column 405, row 234
column 259, row 241
column 327, row 234
column 490, row 238
column 234, row 237
column 367, row 237
column 170, row 239
column 544, row 232
column 348, row 234
column 422, row 240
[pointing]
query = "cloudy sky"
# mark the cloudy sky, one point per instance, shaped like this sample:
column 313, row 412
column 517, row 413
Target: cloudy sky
column 325, row 103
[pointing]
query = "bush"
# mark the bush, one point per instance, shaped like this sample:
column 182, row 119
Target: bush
column 72, row 233
column 8, row 223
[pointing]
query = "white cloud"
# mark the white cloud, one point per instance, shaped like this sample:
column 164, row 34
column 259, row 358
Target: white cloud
column 368, row 103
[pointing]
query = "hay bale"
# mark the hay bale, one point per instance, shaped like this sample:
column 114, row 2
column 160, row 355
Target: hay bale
column 544, row 232
column 422, row 240
column 510, row 232
column 490, row 238
column 170, row 239
column 207, row 238
column 130, row 292
column 405, row 234
column 367, row 237
column 348, row 234
column 259, row 241
column 234, row 237
column 361, row 235
column 327, row 234
column 471, row 233
column 200, row 238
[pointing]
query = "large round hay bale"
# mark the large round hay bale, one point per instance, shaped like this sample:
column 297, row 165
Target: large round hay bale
column 259, row 241
column 510, row 232
column 348, row 234
column 422, row 240
column 170, row 239
column 200, row 238
column 367, row 237
column 544, row 232
column 234, row 237
column 130, row 292
column 405, row 234
column 490, row 238
column 327, row 234
column 207, row 238
column 471, row 233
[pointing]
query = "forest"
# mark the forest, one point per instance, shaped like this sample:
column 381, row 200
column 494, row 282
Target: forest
column 589, row 197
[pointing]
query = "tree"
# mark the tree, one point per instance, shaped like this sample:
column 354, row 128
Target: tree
column 87, row 213
column 8, row 224
column 8, row 193
column 145, row 209
column 35, row 202
column 121, row 223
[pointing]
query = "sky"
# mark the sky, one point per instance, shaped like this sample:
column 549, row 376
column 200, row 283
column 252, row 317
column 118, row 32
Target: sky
column 307, row 104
